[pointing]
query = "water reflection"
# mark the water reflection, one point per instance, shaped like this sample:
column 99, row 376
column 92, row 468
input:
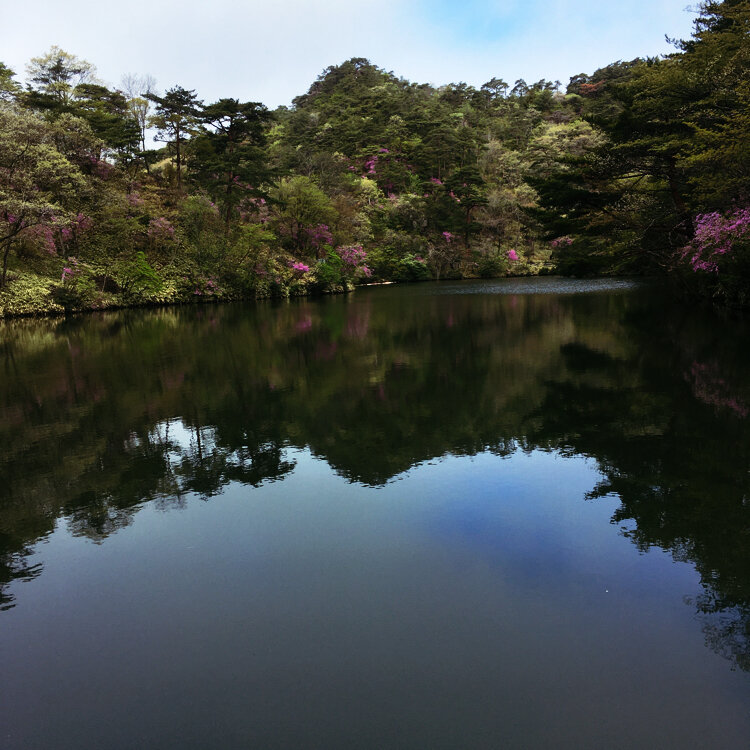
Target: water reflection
column 101, row 414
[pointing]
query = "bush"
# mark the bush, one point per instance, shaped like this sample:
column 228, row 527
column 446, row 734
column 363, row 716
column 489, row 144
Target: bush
column 329, row 271
column 717, row 261
column 136, row 278
column 412, row 268
column 77, row 288
column 492, row 266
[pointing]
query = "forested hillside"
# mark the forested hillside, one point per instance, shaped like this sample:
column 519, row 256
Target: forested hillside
column 641, row 167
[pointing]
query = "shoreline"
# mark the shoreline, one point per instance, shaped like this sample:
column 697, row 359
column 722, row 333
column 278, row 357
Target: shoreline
column 58, row 312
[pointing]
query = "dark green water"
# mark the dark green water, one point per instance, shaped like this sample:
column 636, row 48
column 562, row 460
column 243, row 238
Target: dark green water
column 476, row 515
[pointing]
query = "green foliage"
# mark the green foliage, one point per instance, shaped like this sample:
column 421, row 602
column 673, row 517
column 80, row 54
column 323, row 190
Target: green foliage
column 329, row 270
column 299, row 206
column 250, row 261
column 9, row 88
column 135, row 277
column 38, row 183
column 54, row 79
column 28, row 294
column 412, row 268
column 77, row 289
column 228, row 156
column 176, row 118
column 492, row 265
column 676, row 146
column 110, row 118
column 202, row 231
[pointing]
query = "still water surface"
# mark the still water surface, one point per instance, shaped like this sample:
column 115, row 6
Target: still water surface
column 478, row 515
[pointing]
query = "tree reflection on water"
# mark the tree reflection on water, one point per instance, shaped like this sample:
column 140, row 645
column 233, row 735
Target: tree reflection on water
column 101, row 414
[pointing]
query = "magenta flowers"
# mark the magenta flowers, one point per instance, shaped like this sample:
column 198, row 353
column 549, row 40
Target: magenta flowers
column 717, row 237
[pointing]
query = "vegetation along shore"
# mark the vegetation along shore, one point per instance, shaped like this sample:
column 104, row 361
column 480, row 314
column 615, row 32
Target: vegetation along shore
column 126, row 196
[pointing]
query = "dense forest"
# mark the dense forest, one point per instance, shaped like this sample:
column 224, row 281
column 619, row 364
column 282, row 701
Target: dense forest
column 641, row 167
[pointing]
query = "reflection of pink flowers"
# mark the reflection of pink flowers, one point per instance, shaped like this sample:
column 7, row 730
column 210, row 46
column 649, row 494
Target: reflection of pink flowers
column 358, row 324
column 304, row 324
column 709, row 387
column 512, row 255
column 326, row 351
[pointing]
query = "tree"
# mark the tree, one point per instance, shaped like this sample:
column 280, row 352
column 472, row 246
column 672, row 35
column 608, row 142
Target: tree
column 176, row 117
column 303, row 213
column 9, row 89
column 467, row 189
column 677, row 135
column 626, row 200
column 36, row 181
column 229, row 157
column 54, row 78
column 108, row 115
column 137, row 89
column 718, row 57
column 495, row 89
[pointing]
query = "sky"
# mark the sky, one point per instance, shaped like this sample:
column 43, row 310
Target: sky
column 271, row 51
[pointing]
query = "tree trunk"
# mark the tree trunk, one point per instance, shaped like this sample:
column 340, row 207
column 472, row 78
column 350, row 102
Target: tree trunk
column 177, row 149
column 228, row 214
column 686, row 218
column 6, row 253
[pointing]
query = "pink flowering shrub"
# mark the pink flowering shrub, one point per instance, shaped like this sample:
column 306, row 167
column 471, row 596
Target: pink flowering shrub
column 562, row 242
column 354, row 257
column 73, row 230
column 160, row 229
column 717, row 237
column 718, row 257
column 205, row 286
column 370, row 165
column 319, row 235
column 161, row 235
column 43, row 237
column 512, row 255
column 70, row 271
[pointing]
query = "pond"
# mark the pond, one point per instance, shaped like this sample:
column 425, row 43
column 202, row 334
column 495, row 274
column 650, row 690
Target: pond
column 457, row 515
